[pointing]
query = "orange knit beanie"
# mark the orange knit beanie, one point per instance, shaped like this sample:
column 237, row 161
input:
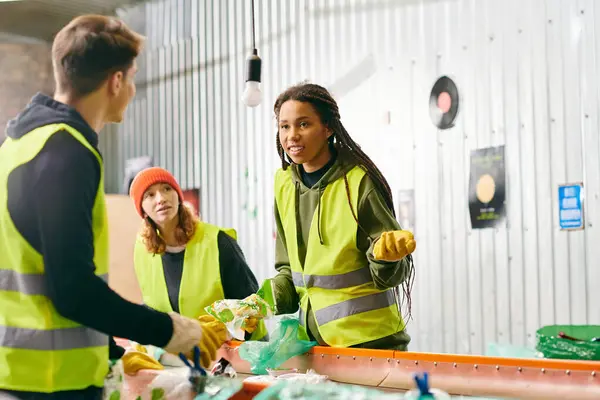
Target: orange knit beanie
column 148, row 177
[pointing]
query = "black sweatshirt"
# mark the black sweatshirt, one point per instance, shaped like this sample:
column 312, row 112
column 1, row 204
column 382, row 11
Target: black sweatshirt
column 50, row 201
column 237, row 279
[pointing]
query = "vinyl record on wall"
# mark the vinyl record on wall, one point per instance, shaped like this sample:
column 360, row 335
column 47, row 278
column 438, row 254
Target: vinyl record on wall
column 443, row 103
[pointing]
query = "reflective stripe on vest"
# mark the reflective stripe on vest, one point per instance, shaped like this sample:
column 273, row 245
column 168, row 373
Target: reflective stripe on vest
column 341, row 281
column 29, row 284
column 40, row 350
column 355, row 306
column 59, row 339
column 347, row 307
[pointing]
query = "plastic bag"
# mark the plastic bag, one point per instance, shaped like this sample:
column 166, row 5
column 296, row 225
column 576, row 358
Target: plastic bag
column 234, row 313
column 310, row 377
column 283, row 344
column 172, row 384
column 507, row 350
column 220, row 388
column 168, row 384
column 113, row 383
column 295, row 390
column 283, row 375
column 579, row 347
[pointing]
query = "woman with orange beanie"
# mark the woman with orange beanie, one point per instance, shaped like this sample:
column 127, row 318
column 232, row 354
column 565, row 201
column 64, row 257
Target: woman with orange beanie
column 184, row 264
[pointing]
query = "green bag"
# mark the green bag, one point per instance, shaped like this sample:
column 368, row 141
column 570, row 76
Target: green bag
column 581, row 346
column 283, row 344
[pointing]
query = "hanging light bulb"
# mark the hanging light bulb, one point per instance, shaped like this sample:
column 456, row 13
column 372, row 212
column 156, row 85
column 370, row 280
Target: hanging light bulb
column 252, row 95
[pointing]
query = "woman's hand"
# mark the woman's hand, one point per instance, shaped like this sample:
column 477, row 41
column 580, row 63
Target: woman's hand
column 394, row 246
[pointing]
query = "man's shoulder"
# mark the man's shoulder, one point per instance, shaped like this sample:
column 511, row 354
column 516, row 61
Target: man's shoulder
column 64, row 143
column 63, row 152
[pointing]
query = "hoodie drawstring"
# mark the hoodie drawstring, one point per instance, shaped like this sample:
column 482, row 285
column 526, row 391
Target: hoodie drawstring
column 297, row 211
column 319, row 215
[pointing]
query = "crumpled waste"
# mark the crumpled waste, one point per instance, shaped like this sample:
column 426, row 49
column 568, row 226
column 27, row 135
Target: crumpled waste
column 292, row 375
column 298, row 390
column 220, row 388
column 169, row 384
column 172, row 382
column 175, row 384
column 310, row 377
column 244, row 315
column 223, row 368
column 241, row 316
column 113, row 383
column 282, row 371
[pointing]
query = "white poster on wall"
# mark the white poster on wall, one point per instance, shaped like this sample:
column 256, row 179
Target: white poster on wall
column 405, row 209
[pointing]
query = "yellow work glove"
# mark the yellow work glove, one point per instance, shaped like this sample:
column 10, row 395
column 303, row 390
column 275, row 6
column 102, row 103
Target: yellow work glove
column 140, row 348
column 217, row 326
column 214, row 334
column 133, row 361
column 250, row 324
column 394, row 245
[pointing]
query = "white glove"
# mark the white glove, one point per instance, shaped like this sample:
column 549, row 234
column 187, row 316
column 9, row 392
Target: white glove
column 187, row 333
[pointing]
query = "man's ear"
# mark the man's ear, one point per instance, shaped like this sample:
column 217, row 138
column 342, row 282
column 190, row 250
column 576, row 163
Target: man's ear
column 115, row 83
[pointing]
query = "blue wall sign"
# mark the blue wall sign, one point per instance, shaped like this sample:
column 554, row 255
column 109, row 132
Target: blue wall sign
column 570, row 206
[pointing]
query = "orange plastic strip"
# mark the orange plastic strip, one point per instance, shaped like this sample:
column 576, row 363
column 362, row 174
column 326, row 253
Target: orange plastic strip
column 340, row 351
column 573, row 365
column 249, row 391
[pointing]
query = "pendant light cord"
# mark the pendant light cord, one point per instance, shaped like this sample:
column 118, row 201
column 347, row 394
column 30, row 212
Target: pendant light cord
column 253, row 29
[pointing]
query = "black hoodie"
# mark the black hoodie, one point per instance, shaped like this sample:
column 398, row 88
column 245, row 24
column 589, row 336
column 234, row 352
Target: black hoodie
column 50, row 201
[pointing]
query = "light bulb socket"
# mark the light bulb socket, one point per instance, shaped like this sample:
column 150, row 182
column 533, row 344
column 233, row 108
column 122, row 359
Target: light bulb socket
column 253, row 67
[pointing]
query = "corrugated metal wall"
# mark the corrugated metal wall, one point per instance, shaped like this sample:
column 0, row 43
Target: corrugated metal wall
column 527, row 74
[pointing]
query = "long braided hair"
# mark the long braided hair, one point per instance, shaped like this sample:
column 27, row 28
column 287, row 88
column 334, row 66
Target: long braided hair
column 327, row 108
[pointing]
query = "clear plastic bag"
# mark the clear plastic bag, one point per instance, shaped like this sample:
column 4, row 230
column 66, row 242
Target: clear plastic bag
column 219, row 388
column 507, row 350
column 310, row 377
column 169, row 384
column 294, row 390
column 235, row 313
column 113, row 383
column 283, row 344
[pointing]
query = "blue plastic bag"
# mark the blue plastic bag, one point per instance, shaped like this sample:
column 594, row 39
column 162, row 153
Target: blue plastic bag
column 283, row 344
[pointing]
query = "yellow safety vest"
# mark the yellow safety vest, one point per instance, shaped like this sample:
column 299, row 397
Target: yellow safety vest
column 201, row 280
column 336, row 278
column 40, row 350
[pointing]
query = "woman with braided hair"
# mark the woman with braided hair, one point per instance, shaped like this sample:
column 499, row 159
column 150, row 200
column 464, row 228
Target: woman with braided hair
column 340, row 253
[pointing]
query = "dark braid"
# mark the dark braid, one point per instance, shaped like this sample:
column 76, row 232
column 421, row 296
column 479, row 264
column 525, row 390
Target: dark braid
column 328, row 110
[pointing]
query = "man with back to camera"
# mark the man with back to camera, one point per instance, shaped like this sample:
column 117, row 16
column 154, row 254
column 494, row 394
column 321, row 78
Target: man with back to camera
column 56, row 309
